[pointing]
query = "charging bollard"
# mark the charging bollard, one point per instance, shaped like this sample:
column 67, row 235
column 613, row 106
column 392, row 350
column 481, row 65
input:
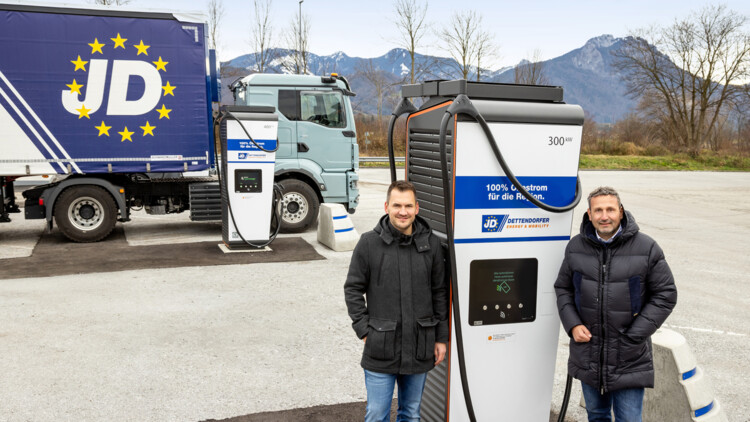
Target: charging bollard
column 248, row 155
column 496, row 169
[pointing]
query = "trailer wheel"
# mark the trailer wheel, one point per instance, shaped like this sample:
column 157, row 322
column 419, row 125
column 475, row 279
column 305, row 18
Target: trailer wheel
column 85, row 213
column 299, row 206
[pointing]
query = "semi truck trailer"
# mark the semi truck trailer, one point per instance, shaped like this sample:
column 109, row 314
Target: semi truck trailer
column 117, row 107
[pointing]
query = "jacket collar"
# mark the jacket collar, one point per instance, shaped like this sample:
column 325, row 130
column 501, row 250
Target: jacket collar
column 420, row 233
column 628, row 224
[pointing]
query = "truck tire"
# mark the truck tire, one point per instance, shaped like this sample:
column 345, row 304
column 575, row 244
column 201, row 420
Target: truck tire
column 299, row 206
column 85, row 213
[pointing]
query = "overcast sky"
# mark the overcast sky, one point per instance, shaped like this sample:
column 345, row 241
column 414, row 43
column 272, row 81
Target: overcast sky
column 366, row 28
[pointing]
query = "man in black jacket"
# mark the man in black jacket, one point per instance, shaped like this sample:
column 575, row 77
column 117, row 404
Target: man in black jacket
column 614, row 290
column 398, row 268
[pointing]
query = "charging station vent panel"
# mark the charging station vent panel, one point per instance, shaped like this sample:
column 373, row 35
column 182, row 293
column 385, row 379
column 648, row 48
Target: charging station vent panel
column 424, row 169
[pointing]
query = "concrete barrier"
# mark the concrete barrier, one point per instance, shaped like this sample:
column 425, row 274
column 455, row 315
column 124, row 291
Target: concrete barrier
column 682, row 392
column 335, row 228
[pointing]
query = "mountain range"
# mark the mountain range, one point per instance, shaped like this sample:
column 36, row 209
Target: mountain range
column 586, row 75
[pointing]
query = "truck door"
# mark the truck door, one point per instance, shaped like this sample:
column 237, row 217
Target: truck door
column 287, row 134
column 322, row 130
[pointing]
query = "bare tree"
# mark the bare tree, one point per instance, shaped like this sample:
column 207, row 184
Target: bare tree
column 485, row 49
column 689, row 70
column 590, row 134
column 261, row 34
column 297, row 37
column 467, row 42
column 458, row 39
column 531, row 71
column 411, row 25
column 112, row 2
column 215, row 15
column 378, row 79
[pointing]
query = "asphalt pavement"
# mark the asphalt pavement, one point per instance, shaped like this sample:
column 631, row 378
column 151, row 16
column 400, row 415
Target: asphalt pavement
column 200, row 342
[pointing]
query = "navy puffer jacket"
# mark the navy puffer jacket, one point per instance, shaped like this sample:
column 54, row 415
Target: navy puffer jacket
column 622, row 292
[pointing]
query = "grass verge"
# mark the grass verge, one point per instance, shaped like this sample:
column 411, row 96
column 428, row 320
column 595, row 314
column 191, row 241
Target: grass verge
column 704, row 162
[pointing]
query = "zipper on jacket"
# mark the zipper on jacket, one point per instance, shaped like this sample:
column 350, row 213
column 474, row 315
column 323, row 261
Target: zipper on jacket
column 602, row 339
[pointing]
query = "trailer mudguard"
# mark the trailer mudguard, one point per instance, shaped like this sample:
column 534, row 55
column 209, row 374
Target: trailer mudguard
column 50, row 196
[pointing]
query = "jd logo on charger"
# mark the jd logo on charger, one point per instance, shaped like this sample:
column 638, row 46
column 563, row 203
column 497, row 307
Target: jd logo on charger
column 494, row 223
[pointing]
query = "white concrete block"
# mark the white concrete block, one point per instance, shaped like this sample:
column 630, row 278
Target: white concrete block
column 671, row 340
column 699, row 391
column 674, row 399
column 335, row 228
column 715, row 415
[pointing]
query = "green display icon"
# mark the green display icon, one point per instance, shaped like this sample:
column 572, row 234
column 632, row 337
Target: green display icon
column 504, row 287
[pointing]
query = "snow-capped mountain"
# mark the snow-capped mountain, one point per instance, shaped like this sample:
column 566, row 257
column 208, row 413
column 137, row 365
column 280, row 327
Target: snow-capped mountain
column 586, row 75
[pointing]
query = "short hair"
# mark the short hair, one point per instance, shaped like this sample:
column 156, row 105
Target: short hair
column 604, row 191
column 401, row 186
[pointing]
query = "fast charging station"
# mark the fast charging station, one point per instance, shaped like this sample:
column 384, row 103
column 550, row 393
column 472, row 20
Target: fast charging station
column 505, row 251
column 248, row 145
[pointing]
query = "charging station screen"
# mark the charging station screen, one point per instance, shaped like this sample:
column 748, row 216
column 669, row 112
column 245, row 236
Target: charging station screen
column 247, row 181
column 502, row 291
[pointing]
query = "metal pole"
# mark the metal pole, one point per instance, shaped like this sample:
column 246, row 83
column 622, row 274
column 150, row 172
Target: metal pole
column 300, row 32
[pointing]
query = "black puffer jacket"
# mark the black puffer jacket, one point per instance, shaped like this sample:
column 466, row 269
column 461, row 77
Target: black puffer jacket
column 622, row 292
column 403, row 278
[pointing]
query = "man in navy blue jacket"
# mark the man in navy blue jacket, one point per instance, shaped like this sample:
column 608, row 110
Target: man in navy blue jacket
column 614, row 290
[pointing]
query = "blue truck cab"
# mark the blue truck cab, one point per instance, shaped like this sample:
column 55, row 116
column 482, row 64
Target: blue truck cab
column 318, row 155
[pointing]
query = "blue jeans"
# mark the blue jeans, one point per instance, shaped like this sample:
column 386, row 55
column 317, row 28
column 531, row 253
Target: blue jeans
column 627, row 404
column 380, row 394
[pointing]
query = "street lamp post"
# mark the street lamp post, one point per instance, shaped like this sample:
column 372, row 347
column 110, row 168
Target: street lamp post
column 299, row 43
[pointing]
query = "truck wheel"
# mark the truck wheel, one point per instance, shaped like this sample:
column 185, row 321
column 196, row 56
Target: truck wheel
column 299, row 206
column 85, row 213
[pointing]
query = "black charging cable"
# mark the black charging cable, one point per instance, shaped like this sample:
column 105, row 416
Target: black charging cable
column 403, row 107
column 463, row 105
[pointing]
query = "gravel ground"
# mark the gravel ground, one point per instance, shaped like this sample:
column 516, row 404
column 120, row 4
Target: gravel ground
column 215, row 342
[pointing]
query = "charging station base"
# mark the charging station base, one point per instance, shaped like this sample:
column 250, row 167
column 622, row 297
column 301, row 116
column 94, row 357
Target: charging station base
column 239, row 249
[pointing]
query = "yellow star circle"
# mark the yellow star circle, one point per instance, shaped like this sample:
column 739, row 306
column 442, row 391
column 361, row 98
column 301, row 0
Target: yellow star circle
column 126, row 134
column 148, row 129
column 103, row 129
column 163, row 111
column 119, row 41
column 161, row 64
column 83, row 112
column 142, row 48
column 80, row 64
column 75, row 87
column 168, row 89
column 96, row 46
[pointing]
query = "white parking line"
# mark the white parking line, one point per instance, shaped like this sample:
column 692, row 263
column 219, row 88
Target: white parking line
column 706, row 330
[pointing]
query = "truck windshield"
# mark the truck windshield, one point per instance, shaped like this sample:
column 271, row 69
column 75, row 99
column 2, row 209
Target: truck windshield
column 325, row 108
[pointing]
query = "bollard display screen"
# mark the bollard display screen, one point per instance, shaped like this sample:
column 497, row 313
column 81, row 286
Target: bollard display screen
column 248, row 181
column 502, row 291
